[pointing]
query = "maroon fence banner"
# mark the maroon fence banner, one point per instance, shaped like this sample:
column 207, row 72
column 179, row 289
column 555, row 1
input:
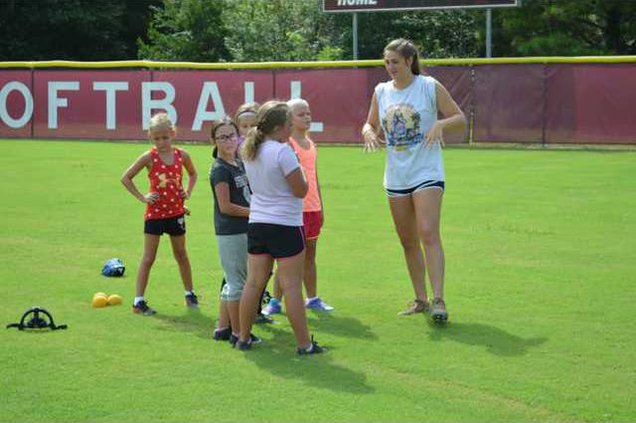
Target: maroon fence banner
column 16, row 104
column 88, row 104
column 530, row 103
column 509, row 103
column 591, row 103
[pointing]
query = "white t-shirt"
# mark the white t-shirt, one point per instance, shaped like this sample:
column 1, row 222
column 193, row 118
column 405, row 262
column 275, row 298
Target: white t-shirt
column 406, row 116
column 272, row 200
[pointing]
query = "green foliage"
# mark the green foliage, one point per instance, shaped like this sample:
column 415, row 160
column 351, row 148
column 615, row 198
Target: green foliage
column 270, row 30
column 281, row 30
column 71, row 29
column 186, row 30
column 566, row 27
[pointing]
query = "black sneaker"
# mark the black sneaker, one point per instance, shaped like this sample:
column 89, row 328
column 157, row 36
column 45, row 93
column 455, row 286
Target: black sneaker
column 222, row 334
column 142, row 308
column 234, row 341
column 439, row 313
column 314, row 348
column 263, row 319
column 266, row 297
column 191, row 300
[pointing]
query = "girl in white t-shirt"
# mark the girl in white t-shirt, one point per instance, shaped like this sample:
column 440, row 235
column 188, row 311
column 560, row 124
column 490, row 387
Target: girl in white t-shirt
column 275, row 229
column 405, row 109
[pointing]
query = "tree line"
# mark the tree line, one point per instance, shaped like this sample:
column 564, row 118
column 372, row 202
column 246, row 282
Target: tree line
column 294, row 30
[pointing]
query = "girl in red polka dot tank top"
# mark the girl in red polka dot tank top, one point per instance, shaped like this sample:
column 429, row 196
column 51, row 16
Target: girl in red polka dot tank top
column 165, row 211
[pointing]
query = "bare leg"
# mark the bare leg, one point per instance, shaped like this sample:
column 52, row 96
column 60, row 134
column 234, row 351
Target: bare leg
column 403, row 214
column 428, row 205
column 180, row 254
column 290, row 272
column 224, row 317
column 151, row 244
column 278, row 291
column 258, row 269
column 310, row 277
column 233, row 312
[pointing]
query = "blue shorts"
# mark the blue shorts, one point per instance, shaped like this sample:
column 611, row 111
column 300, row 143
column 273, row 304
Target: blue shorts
column 419, row 187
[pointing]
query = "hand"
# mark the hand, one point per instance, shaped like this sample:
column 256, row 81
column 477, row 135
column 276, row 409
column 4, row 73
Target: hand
column 435, row 134
column 151, row 198
column 185, row 195
column 371, row 141
column 186, row 211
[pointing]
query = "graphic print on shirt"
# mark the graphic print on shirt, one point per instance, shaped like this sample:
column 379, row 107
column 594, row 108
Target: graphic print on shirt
column 402, row 125
column 243, row 184
column 164, row 180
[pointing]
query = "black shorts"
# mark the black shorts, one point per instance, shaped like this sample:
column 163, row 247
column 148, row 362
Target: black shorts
column 173, row 226
column 279, row 241
column 419, row 187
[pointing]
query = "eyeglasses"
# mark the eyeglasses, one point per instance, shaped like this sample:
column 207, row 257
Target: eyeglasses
column 226, row 138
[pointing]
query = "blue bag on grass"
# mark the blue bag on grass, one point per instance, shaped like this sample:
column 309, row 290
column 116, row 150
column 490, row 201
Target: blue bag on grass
column 114, row 267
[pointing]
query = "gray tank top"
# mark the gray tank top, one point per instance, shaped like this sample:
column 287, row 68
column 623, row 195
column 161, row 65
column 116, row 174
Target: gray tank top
column 406, row 116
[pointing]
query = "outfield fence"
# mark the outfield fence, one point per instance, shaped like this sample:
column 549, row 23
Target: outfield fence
column 528, row 100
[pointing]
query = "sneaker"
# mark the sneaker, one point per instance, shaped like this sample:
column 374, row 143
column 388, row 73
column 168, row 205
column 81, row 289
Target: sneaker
column 314, row 348
column 317, row 304
column 222, row 334
column 439, row 313
column 243, row 346
column 142, row 308
column 417, row 306
column 191, row 300
column 273, row 307
column 263, row 319
column 266, row 297
column 234, row 340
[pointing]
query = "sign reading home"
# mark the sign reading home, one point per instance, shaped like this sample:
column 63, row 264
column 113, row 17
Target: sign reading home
column 391, row 5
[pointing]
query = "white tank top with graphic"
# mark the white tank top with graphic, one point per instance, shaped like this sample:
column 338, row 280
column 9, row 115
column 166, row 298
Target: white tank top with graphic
column 406, row 116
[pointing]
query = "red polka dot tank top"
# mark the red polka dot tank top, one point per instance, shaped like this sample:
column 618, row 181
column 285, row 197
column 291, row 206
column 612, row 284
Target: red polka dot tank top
column 165, row 180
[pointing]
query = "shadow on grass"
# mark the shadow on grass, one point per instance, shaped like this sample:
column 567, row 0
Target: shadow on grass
column 334, row 324
column 193, row 321
column 497, row 341
column 278, row 356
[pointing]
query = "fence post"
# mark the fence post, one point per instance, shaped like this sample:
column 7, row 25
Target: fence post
column 544, row 105
column 471, row 108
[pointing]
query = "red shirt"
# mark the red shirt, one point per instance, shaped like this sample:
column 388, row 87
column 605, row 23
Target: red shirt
column 165, row 180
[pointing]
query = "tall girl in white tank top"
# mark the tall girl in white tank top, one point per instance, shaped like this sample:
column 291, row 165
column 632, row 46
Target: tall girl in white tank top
column 405, row 110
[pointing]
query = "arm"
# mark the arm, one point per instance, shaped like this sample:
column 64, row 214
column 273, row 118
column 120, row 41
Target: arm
column 371, row 127
column 192, row 174
column 322, row 205
column 131, row 172
column 222, row 191
column 297, row 182
column 454, row 119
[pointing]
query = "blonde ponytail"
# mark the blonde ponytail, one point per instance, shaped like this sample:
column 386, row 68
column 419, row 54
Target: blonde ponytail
column 269, row 118
column 253, row 140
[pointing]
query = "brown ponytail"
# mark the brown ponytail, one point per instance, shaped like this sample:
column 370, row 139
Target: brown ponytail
column 406, row 49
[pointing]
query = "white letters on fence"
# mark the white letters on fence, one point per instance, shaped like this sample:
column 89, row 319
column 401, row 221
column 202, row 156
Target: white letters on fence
column 28, row 104
column 55, row 102
column 210, row 90
column 111, row 89
column 148, row 104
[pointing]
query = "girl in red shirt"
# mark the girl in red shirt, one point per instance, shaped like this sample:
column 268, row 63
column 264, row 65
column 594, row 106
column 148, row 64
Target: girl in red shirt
column 164, row 205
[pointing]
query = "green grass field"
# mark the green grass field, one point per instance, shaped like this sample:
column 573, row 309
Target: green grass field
column 541, row 260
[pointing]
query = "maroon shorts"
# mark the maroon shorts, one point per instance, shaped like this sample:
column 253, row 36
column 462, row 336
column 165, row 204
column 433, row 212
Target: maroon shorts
column 312, row 222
